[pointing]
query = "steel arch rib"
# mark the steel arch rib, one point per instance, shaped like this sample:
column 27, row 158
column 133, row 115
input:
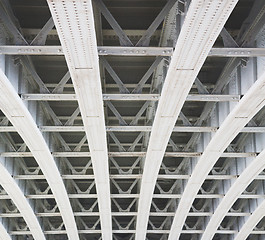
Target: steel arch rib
column 243, row 112
column 22, row 204
column 202, row 25
column 17, row 113
column 74, row 22
column 3, row 233
column 251, row 222
column 245, row 178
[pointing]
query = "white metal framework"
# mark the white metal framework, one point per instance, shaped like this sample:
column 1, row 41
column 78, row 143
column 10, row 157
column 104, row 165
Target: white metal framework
column 202, row 25
column 251, row 222
column 132, row 119
column 75, row 25
column 17, row 196
column 17, row 113
column 246, row 177
column 4, row 233
column 244, row 111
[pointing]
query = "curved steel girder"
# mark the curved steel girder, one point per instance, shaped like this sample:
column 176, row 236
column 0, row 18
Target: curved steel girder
column 251, row 222
column 22, row 204
column 74, row 22
column 245, row 178
column 3, row 233
column 17, row 113
column 243, row 112
column 202, row 25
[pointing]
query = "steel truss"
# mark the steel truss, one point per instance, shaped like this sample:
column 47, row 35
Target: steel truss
column 98, row 122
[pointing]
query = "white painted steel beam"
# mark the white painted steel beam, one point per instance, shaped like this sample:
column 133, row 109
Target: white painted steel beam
column 202, row 25
column 135, row 176
column 135, row 129
column 132, row 196
column 131, row 97
column 245, row 178
column 102, row 50
column 251, row 222
column 22, row 204
column 17, row 113
column 74, row 22
column 237, row 52
column 243, row 112
column 130, row 154
column 130, row 51
column 3, row 233
column 124, row 214
column 132, row 129
column 58, row 232
column 125, row 129
column 108, row 97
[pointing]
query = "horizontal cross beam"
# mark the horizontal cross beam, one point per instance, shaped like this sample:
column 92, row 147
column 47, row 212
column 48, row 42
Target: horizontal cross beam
column 123, row 214
column 103, row 51
column 131, row 196
column 133, row 176
column 132, row 129
column 59, row 232
column 131, row 97
column 130, row 51
column 131, row 154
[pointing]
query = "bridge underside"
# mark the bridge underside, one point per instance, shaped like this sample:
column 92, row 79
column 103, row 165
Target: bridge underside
column 132, row 119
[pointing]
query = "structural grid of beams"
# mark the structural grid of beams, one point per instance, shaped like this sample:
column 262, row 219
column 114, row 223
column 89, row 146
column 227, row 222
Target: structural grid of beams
column 202, row 25
column 252, row 221
column 248, row 106
column 17, row 196
column 245, row 178
column 17, row 113
column 75, row 25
